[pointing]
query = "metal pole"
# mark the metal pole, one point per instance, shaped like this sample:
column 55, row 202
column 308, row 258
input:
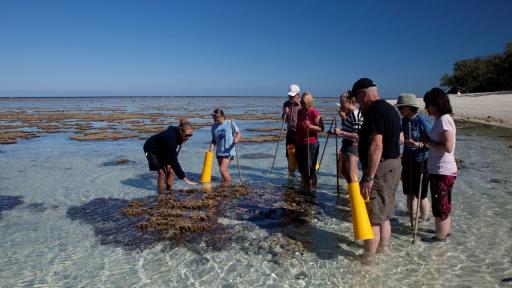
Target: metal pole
column 236, row 152
column 278, row 142
column 418, row 205
column 337, row 157
column 325, row 146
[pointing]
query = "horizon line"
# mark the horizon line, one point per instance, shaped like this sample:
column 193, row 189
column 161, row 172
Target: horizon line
column 130, row 96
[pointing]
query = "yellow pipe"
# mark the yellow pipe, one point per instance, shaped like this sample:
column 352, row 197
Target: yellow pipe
column 206, row 175
column 206, row 187
column 360, row 220
column 292, row 160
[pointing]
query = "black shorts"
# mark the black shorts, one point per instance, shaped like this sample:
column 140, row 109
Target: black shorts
column 290, row 139
column 411, row 174
column 155, row 163
column 350, row 148
column 226, row 157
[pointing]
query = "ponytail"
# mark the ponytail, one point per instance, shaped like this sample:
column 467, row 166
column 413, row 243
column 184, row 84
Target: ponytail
column 184, row 124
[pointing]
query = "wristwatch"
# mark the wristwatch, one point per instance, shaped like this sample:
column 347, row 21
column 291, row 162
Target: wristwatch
column 369, row 178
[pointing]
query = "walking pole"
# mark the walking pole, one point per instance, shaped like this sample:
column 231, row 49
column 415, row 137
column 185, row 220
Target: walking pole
column 334, row 118
column 409, row 178
column 236, row 152
column 323, row 151
column 309, row 160
column 418, row 205
column 278, row 142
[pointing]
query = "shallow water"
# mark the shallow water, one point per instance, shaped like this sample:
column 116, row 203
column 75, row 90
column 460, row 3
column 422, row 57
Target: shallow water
column 61, row 223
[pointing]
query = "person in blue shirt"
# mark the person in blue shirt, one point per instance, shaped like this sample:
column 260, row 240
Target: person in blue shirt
column 225, row 135
column 415, row 154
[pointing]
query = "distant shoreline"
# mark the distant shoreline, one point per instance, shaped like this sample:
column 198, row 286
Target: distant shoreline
column 491, row 108
column 152, row 96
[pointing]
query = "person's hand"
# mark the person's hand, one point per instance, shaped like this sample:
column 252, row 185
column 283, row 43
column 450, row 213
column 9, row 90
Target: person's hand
column 411, row 144
column 235, row 140
column 286, row 110
column 366, row 188
column 308, row 124
column 189, row 182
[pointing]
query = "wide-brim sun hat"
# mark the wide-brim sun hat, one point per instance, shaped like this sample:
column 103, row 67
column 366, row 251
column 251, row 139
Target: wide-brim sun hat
column 406, row 99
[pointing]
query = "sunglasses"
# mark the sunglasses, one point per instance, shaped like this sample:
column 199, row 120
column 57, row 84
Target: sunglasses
column 188, row 135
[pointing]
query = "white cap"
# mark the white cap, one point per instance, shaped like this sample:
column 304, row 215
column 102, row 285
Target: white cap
column 293, row 90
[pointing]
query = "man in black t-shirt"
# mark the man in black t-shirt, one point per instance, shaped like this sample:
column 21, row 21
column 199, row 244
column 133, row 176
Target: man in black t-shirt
column 379, row 153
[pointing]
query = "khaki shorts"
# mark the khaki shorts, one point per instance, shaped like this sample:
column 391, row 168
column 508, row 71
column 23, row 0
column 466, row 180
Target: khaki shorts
column 382, row 199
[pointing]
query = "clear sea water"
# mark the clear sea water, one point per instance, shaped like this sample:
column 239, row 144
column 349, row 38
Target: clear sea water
column 61, row 224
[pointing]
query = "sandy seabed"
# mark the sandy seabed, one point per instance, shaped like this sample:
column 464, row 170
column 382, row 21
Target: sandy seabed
column 85, row 213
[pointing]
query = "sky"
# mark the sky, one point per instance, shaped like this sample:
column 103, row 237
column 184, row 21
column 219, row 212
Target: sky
column 239, row 47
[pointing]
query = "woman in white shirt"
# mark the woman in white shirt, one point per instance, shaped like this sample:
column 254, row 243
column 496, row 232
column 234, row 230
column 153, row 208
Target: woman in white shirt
column 442, row 168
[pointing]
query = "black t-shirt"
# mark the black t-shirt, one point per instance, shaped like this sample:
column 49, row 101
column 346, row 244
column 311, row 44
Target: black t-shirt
column 381, row 118
column 164, row 145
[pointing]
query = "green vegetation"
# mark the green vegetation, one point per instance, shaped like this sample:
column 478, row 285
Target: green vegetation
column 481, row 74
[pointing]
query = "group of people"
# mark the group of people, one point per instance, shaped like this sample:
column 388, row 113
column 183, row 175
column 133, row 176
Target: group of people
column 372, row 133
column 162, row 149
column 304, row 122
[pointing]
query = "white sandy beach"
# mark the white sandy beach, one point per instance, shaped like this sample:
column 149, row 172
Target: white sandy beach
column 494, row 108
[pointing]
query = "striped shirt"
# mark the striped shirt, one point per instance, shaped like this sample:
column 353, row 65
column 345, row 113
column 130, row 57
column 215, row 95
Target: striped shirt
column 352, row 124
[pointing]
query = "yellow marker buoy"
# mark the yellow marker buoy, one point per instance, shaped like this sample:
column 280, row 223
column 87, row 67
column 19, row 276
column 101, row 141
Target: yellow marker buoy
column 206, row 175
column 292, row 160
column 206, row 187
column 360, row 221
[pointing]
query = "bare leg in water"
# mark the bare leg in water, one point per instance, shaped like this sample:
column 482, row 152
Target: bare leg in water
column 169, row 181
column 161, row 181
column 224, row 169
column 380, row 242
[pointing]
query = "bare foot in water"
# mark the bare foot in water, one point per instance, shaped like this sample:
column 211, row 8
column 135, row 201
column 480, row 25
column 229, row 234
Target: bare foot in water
column 367, row 258
column 382, row 250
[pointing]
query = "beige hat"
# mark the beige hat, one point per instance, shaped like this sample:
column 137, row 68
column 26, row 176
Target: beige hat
column 406, row 99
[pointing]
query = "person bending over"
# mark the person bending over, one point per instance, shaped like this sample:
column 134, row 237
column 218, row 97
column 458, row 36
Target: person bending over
column 162, row 155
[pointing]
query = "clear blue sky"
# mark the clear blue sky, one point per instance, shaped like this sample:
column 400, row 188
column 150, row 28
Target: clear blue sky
column 239, row 47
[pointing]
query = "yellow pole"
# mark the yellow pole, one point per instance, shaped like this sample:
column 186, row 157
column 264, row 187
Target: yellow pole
column 360, row 220
column 206, row 187
column 292, row 160
column 206, row 175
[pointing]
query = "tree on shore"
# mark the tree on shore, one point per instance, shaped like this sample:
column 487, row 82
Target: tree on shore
column 481, row 74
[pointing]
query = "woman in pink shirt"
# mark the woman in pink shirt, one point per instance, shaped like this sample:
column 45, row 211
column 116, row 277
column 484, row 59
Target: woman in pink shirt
column 442, row 168
column 309, row 123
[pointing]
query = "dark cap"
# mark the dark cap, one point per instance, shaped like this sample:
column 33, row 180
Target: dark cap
column 217, row 112
column 362, row 83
